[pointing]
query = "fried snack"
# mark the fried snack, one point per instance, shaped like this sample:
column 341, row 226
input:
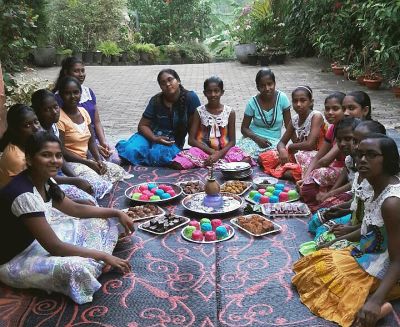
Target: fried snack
column 192, row 187
column 255, row 224
column 234, row 187
column 147, row 210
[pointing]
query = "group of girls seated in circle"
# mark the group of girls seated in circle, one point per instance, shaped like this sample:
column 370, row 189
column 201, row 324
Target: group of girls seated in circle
column 57, row 163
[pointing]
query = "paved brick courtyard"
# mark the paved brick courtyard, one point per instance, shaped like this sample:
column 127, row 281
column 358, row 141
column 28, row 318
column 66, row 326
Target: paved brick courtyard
column 123, row 91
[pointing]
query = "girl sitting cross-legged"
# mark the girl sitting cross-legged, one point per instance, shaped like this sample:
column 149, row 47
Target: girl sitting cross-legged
column 212, row 132
column 66, row 255
column 306, row 130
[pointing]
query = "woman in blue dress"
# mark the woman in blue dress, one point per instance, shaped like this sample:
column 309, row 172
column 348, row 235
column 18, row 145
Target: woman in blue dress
column 164, row 124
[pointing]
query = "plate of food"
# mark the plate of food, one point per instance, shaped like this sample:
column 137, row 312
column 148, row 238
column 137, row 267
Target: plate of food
column 153, row 192
column 272, row 194
column 264, row 181
column 164, row 224
column 236, row 187
column 256, row 225
column 227, row 202
column 235, row 166
column 207, row 231
column 284, row 209
column 145, row 211
column 191, row 187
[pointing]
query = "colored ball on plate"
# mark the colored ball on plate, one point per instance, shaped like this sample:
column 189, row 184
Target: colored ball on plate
column 147, row 192
column 215, row 223
column 165, row 196
column 150, row 186
column 284, row 196
column 210, row 236
column 195, row 224
column 268, row 194
column 221, row 232
column 155, row 198
column 136, row 196
column 159, row 192
column 188, row 231
column 277, row 192
column 171, row 192
column 168, row 188
column 162, row 187
column 261, row 190
column 153, row 190
column 197, row 235
column 279, row 186
column 286, row 189
column 144, row 197
column 293, row 194
column 252, row 193
column 143, row 188
column 270, row 189
column 256, row 197
column 264, row 199
column 205, row 220
column 273, row 199
column 205, row 227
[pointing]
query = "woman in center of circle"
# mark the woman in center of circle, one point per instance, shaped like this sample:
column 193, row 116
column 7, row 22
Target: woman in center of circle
column 264, row 116
column 164, row 124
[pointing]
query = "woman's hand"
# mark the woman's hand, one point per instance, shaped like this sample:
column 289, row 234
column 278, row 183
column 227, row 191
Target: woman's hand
column 116, row 262
column 84, row 185
column 333, row 212
column 341, row 230
column 126, row 222
column 163, row 140
column 102, row 167
column 368, row 314
column 104, row 150
column 262, row 142
column 213, row 158
column 283, row 156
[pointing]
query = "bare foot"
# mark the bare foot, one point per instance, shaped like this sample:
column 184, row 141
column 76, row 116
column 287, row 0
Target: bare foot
column 386, row 309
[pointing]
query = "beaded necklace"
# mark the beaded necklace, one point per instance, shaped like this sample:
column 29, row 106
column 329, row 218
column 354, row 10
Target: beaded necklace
column 267, row 123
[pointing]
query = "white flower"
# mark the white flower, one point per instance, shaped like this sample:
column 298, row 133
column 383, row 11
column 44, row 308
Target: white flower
column 281, row 24
column 248, row 27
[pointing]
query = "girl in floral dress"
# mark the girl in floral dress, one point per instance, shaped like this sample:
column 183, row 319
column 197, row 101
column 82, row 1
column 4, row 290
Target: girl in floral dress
column 306, row 130
column 212, row 133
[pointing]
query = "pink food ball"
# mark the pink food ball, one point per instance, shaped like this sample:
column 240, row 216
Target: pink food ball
column 153, row 190
column 195, row 223
column 261, row 190
column 144, row 197
column 286, row 189
column 142, row 188
column 210, row 236
column 197, row 235
column 264, row 199
column 147, row 192
column 171, row 192
column 283, row 196
column 162, row 187
column 215, row 223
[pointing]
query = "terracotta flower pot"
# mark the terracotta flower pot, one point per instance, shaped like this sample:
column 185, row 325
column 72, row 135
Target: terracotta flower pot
column 372, row 84
column 338, row 70
column 396, row 91
column 360, row 80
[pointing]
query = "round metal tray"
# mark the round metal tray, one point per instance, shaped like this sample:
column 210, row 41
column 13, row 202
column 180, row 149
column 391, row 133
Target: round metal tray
column 194, row 203
column 131, row 189
column 231, row 233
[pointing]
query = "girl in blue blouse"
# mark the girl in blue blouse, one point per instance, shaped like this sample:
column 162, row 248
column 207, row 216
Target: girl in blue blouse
column 164, row 124
column 264, row 116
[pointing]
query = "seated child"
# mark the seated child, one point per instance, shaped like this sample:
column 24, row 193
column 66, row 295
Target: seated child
column 212, row 132
column 305, row 130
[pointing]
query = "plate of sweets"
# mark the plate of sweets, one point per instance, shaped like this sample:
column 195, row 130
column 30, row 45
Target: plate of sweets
column 153, row 192
column 192, row 187
column 145, row 211
column 256, row 225
column 164, row 224
column 207, row 231
column 273, row 194
column 285, row 209
column 264, row 181
column 236, row 187
column 221, row 203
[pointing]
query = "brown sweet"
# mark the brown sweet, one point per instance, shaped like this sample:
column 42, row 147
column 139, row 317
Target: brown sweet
column 255, row 224
column 147, row 210
column 235, row 187
column 192, row 187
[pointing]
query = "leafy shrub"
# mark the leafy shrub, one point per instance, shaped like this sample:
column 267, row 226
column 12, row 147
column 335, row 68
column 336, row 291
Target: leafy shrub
column 109, row 48
column 194, row 52
column 148, row 52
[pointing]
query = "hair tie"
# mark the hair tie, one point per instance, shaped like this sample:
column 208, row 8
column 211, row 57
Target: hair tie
column 306, row 88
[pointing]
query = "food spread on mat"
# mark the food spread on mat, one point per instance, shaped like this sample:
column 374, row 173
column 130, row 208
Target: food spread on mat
column 147, row 210
column 235, row 187
column 192, row 187
column 255, row 224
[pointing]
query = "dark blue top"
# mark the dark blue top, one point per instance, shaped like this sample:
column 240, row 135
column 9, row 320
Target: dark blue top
column 171, row 123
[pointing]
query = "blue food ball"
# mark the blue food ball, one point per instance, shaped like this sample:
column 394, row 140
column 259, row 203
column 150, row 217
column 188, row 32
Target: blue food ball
column 206, row 227
column 150, row 186
column 279, row 186
column 277, row 192
column 165, row 196
column 257, row 197
column 221, row 232
column 273, row 199
column 159, row 192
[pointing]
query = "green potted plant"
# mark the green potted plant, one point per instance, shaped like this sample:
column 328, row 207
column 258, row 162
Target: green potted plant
column 264, row 56
column 61, row 54
column 395, row 84
column 110, row 51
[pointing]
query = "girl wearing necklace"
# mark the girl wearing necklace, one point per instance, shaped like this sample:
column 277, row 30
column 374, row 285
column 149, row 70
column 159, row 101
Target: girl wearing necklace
column 264, row 116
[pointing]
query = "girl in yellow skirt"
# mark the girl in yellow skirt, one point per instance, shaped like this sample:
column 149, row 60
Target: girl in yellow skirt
column 351, row 286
